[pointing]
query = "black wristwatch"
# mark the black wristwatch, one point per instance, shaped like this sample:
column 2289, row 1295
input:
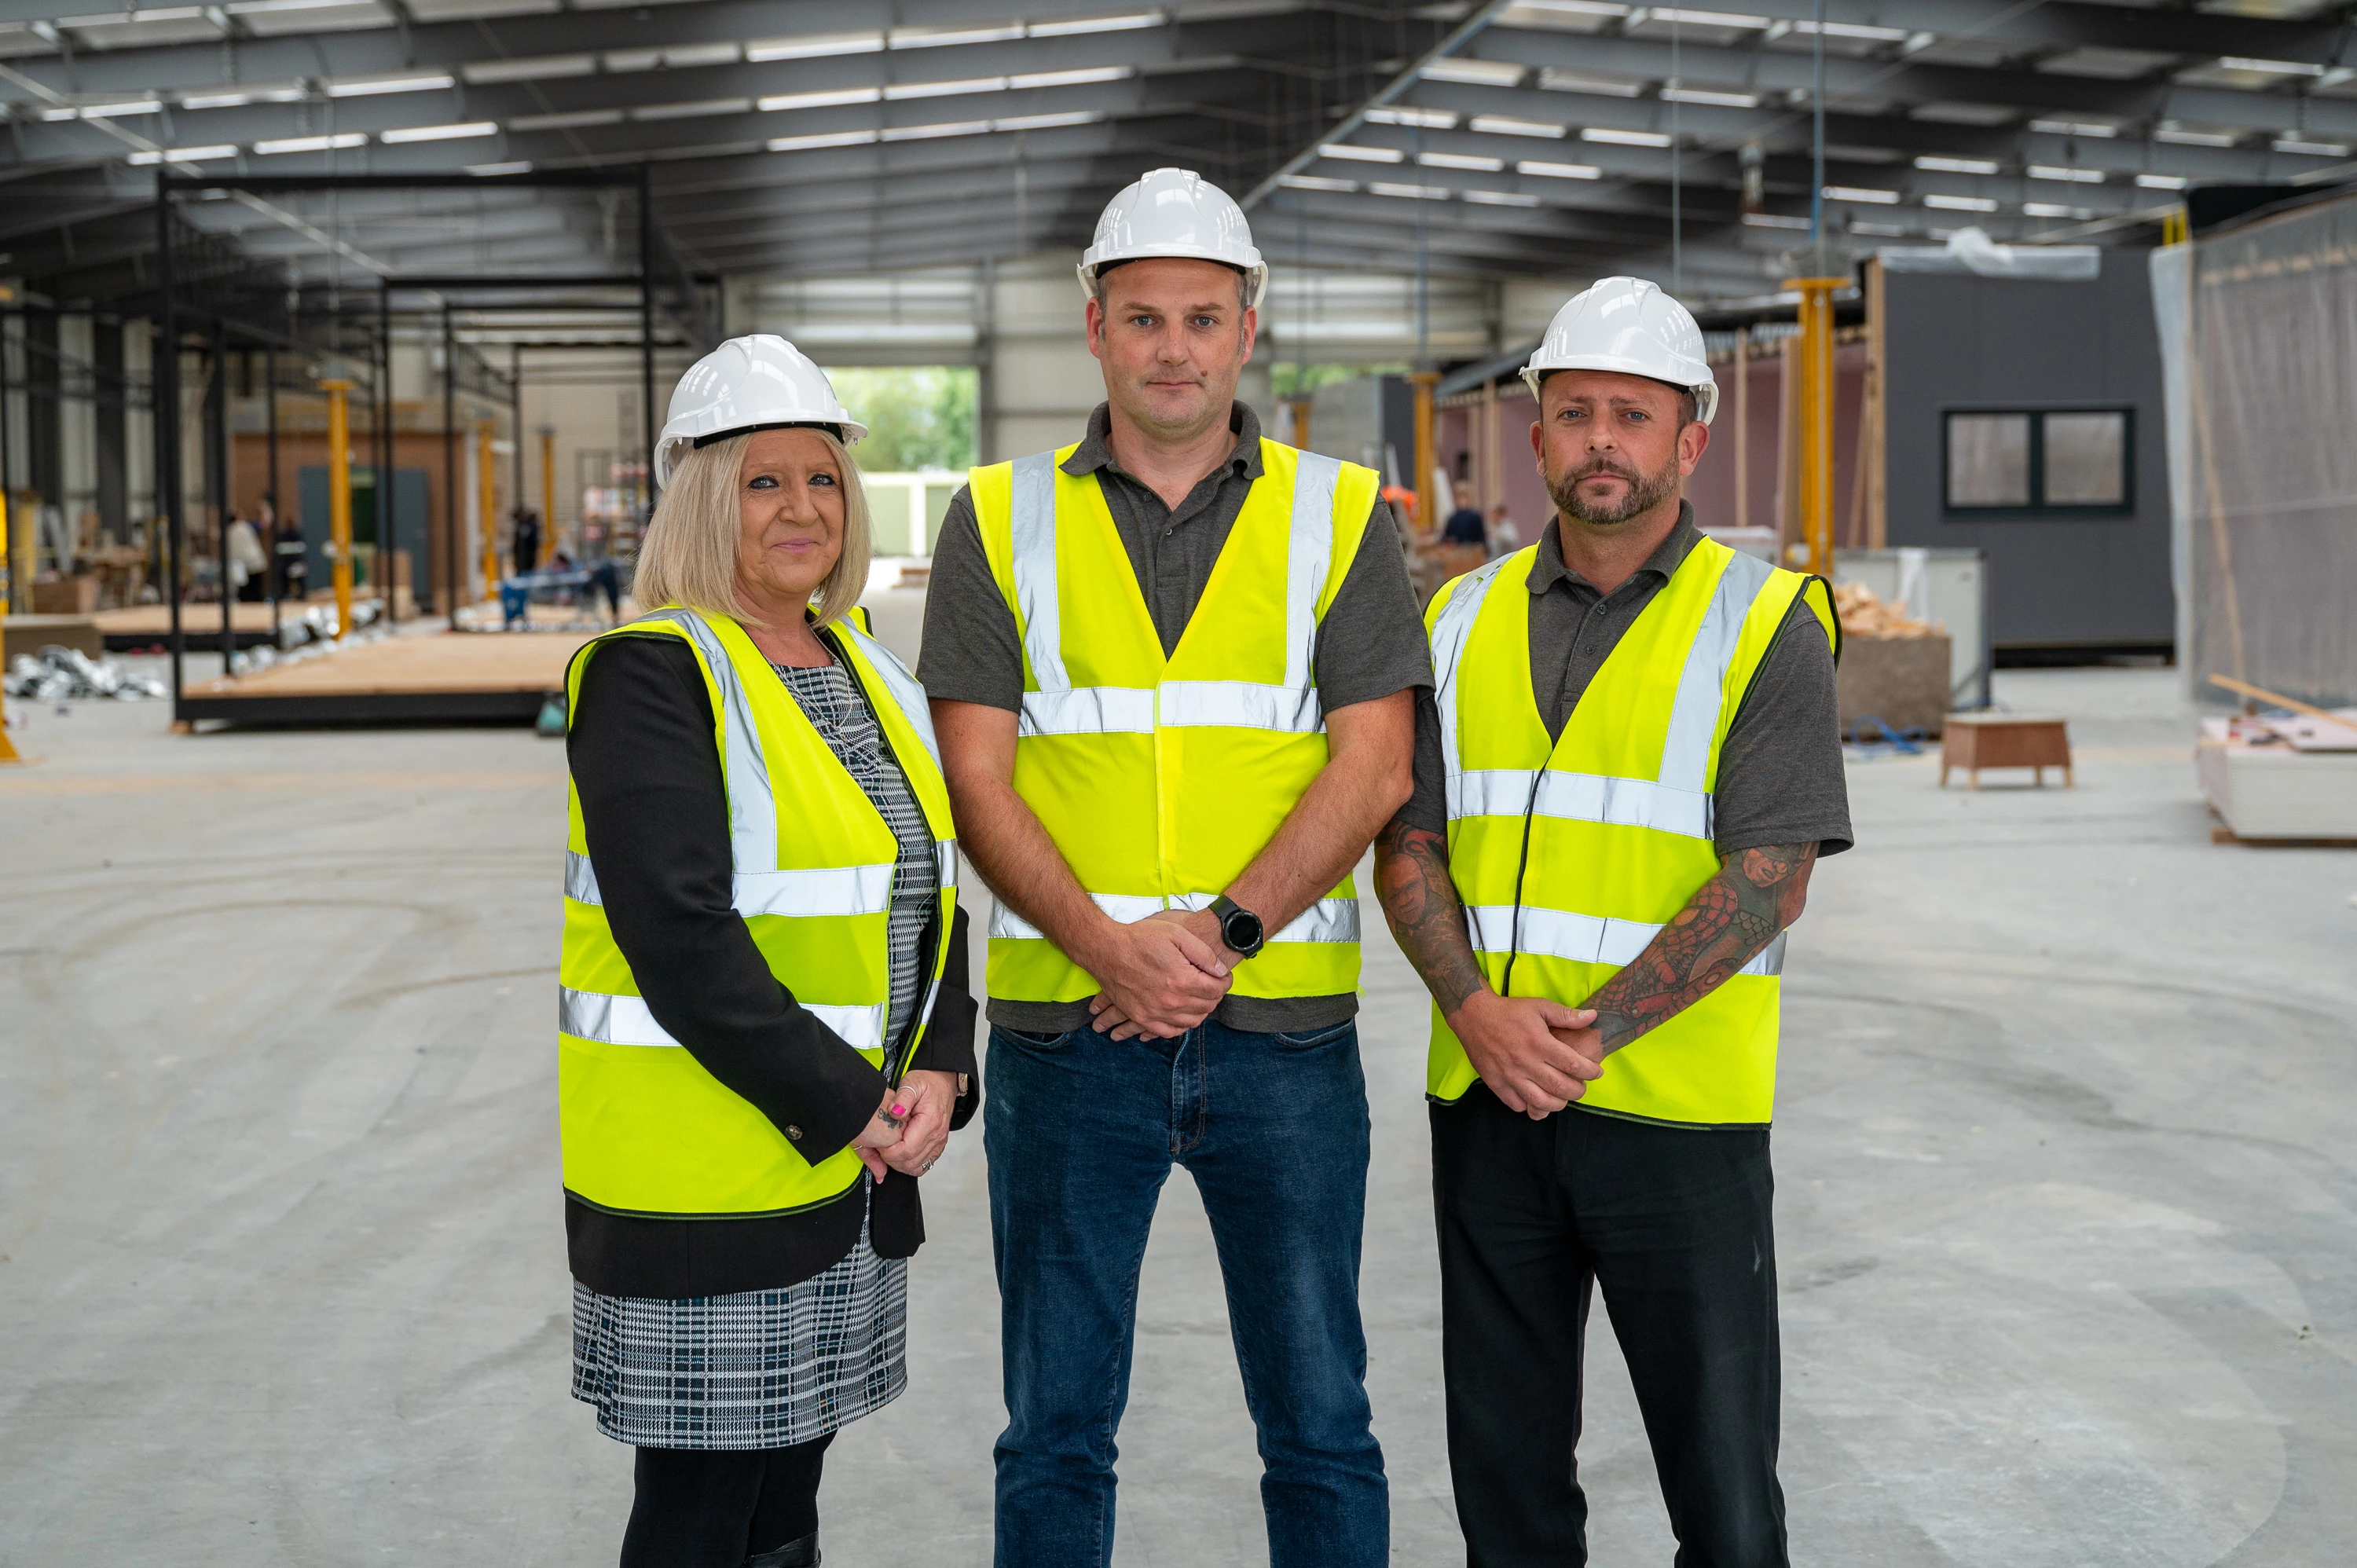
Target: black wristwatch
column 1239, row 927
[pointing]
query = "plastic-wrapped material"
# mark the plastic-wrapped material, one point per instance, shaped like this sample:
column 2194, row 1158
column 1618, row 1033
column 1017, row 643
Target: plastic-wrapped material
column 64, row 674
column 2262, row 324
column 1971, row 250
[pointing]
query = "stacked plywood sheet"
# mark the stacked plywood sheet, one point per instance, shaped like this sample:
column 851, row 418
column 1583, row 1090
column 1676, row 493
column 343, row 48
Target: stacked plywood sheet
column 2285, row 778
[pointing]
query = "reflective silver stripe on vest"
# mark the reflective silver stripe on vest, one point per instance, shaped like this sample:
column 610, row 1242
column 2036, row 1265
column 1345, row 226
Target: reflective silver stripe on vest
column 1581, row 798
column 1034, row 563
column 1242, row 705
column 1328, row 920
column 1057, row 707
column 628, row 1021
column 752, row 808
column 945, row 859
column 1702, row 685
column 830, row 890
column 1584, row 938
column 1449, row 630
column 580, row 879
column 1090, row 710
column 610, row 1020
column 860, row 1026
column 1675, row 800
column 1309, row 557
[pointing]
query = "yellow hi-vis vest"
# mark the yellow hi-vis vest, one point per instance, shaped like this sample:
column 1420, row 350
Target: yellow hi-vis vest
column 646, row 1128
column 1570, row 855
column 1160, row 780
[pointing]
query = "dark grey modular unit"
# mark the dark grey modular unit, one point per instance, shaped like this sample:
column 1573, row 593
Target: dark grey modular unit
column 2004, row 397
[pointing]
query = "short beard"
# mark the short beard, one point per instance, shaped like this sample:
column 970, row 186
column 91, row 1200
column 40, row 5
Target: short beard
column 1645, row 492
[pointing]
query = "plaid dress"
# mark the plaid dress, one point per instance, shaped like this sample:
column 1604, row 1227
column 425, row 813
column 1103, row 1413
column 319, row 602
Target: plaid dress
column 767, row 1369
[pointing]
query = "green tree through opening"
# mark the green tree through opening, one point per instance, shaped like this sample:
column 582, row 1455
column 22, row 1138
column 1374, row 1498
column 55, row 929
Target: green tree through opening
column 918, row 417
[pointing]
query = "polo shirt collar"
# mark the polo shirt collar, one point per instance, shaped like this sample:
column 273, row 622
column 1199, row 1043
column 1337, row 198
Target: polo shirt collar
column 1548, row 569
column 1093, row 453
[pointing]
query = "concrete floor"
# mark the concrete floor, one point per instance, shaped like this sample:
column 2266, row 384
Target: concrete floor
column 2068, row 1254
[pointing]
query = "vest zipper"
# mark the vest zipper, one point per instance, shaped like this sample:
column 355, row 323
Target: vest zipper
column 1521, row 869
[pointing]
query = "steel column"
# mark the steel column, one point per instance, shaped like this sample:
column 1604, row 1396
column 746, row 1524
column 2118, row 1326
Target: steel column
column 450, row 465
column 164, row 383
column 388, row 529
column 647, row 334
column 215, row 424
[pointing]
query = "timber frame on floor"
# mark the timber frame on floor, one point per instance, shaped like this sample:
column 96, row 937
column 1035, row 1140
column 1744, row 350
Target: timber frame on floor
column 190, row 296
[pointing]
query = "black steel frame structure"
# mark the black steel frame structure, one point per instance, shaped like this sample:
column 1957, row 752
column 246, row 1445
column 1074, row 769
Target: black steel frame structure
column 174, row 314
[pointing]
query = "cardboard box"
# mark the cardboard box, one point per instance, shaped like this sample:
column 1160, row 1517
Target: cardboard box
column 30, row 634
column 67, row 597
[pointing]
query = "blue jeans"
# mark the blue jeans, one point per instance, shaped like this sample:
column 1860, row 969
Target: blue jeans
column 1081, row 1130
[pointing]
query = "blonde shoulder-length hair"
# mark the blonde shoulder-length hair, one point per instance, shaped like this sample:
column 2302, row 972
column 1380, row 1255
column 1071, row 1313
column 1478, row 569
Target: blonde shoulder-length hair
column 689, row 556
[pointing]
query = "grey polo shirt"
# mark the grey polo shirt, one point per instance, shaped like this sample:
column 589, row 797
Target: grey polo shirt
column 1780, row 772
column 1369, row 645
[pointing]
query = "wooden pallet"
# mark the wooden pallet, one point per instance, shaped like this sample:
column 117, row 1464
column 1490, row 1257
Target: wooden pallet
column 421, row 677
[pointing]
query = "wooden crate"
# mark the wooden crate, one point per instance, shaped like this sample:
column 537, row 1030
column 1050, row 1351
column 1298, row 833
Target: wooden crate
column 1975, row 741
column 1902, row 681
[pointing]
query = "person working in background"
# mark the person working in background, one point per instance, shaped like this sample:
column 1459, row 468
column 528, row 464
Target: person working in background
column 525, row 546
column 1172, row 668
column 1464, row 525
column 1629, row 765
column 293, row 555
column 526, row 541
column 1505, row 534
column 249, row 562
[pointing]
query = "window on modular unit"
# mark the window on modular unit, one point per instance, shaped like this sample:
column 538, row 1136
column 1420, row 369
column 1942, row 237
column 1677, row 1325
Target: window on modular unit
column 2049, row 460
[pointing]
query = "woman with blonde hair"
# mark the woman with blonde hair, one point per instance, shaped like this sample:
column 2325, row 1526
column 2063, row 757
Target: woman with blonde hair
column 766, row 1035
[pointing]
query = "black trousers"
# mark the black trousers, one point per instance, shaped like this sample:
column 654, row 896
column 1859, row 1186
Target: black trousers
column 713, row 1508
column 1676, row 1225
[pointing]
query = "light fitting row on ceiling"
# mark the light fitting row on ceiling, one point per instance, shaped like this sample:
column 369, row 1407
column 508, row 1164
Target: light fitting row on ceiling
column 1515, row 125
column 1852, row 194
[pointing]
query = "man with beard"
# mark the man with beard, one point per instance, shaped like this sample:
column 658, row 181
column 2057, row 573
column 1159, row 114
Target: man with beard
column 1628, row 765
column 1172, row 668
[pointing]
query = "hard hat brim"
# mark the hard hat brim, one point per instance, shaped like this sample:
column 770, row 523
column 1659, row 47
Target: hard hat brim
column 845, row 430
column 669, row 450
column 1254, row 273
column 1706, row 392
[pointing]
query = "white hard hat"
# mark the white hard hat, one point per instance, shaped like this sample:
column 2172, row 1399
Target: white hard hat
column 755, row 382
column 1631, row 325
column 1174, row 213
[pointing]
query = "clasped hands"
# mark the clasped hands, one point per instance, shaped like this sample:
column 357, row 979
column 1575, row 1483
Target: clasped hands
column 1160, row 976
column 1537, row 1056
column 911, row 1127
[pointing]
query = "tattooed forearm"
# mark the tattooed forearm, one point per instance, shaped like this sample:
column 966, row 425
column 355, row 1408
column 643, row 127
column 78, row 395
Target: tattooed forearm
column 1724, row 926
column 1420, row 902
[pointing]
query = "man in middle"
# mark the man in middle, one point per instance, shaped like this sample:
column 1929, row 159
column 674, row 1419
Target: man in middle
column 1172, row 668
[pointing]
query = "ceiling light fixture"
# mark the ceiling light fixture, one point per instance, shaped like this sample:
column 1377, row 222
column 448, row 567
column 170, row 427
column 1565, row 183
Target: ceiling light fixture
column 1624, row 138
column 310, row 144
column 400, row 135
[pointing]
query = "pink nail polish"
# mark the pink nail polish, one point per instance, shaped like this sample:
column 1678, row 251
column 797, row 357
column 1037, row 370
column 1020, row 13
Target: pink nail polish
column 899, row 1111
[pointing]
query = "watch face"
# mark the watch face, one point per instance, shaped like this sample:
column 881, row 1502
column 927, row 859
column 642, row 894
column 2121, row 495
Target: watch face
column 1243, row 931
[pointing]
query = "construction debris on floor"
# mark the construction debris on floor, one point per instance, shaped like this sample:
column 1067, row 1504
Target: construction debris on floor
column 1893, row 684
column 2285, row 775
column 67, row 674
